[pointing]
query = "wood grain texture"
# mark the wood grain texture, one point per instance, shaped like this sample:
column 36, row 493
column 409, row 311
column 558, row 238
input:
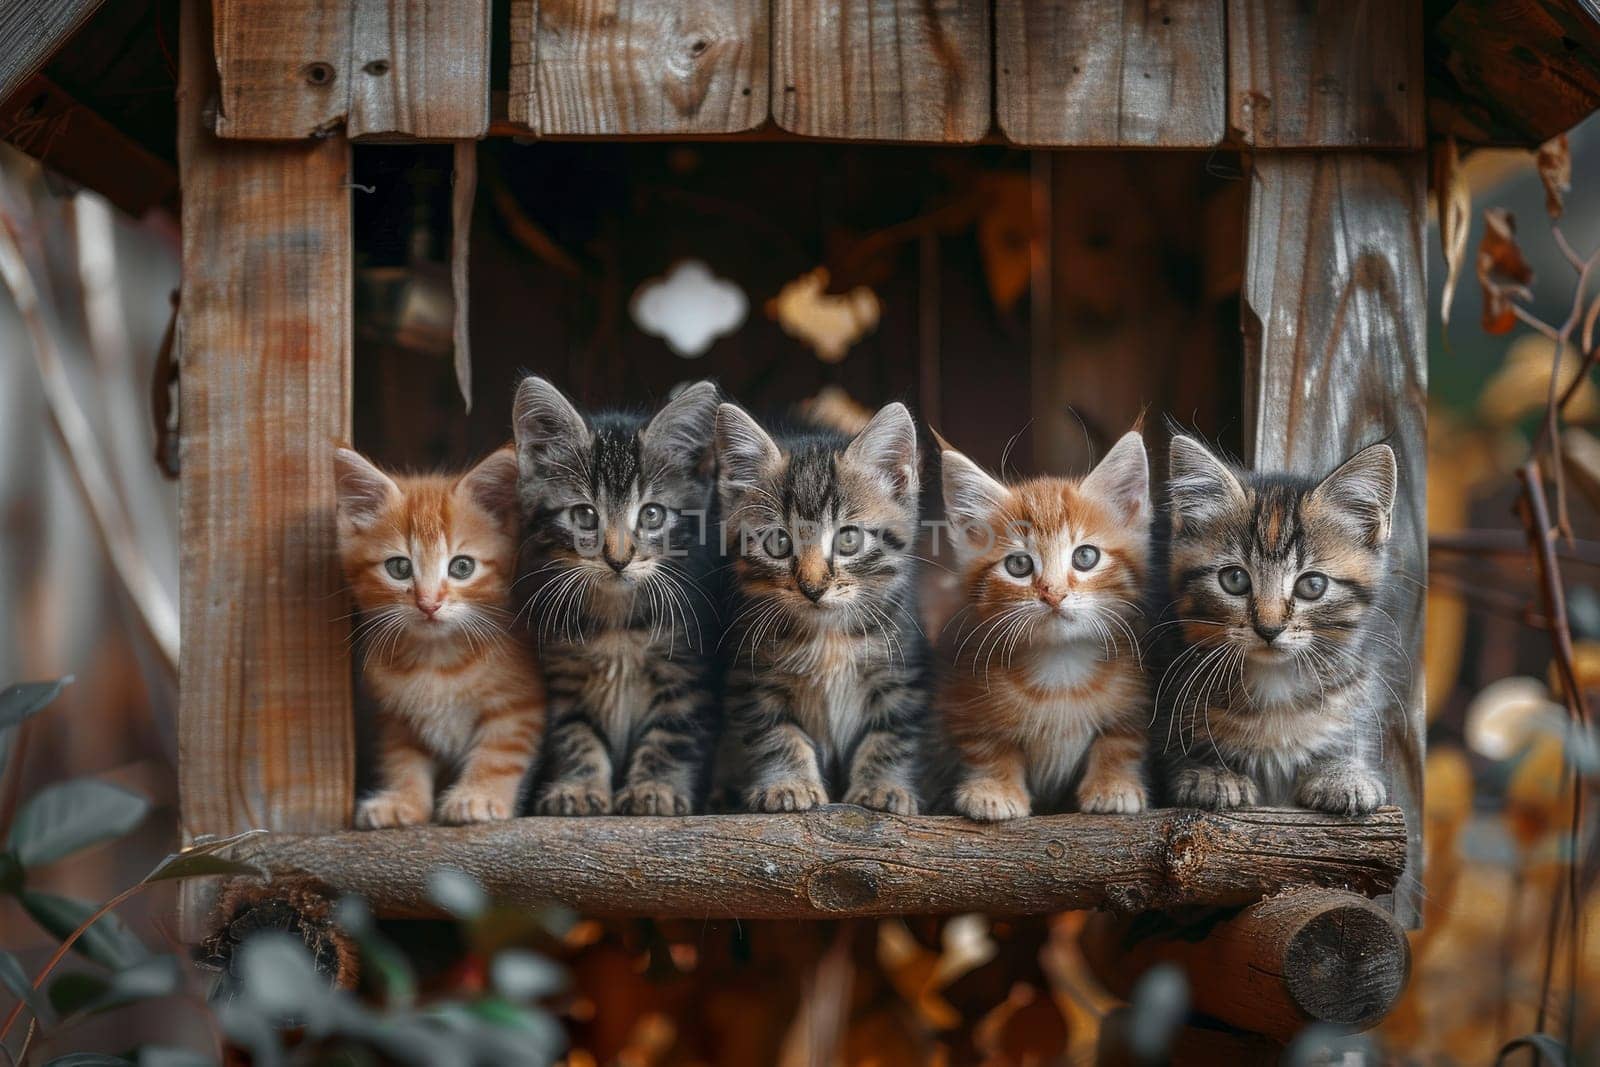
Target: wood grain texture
column 419, row 68
column 31, row 31
column 1334, row 308
column 1309, row 955
column 842, row 861
column 1325, row 73
column 890, row 70
column 1081, row 73
column 619, row 67
column 521, row 110
column 264, row 728
column 292, row 69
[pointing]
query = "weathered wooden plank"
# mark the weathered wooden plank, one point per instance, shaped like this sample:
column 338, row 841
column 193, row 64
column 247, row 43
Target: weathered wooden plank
column 1307, row 956
column 420, row 68
column 264, row 726
column 31, row 31
column 1335, row 306
column 1326, row 73
column 283, row 67
column 640, row 67
column 1111, row 72
column 521, row 111
column 842, row 861
column 292, row 69
column 890, row 70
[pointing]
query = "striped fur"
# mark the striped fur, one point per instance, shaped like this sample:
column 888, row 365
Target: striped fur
column 458, row 693
column 1045, row 697
column 1276, row 693
column 825, row 680
column 617, row 509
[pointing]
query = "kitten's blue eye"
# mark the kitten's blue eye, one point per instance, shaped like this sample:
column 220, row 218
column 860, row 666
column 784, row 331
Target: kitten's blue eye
column 462, row 567
column 1085, row 557
column 585, row 517
column 651, row 516
column 1019, row 564
column 399, row 567
column 848, row 541
column 777, row 544
column 1311, row 586
column 1235, row 581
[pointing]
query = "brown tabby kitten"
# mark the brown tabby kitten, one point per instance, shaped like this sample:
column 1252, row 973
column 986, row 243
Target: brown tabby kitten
column 1278, row 694
column 1046, row 700
column 825, row 686
column 430, row 559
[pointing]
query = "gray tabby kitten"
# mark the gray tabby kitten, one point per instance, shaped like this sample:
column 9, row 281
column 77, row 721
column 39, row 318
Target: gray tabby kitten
column 1278, row 579
column 826, row 693
column 615, row 508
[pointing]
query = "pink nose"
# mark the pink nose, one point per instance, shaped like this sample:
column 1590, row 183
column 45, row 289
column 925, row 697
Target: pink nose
column 1051, row 597
column 429, row 607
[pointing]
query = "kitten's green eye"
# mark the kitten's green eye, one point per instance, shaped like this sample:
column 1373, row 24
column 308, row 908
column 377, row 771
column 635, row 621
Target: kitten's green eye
column 1234, row 580
column 585, row 517
column 1311, row 586
column 399, row 567
column 848, row 541
column 462, row 567
column 777, row 544
column 1019, row 564
column 651, row 516
column 1085, row 557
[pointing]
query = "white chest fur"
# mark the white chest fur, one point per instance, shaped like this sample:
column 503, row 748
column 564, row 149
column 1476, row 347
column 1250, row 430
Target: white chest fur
column 439, row 708
column 618, row 689
column 1062, row 711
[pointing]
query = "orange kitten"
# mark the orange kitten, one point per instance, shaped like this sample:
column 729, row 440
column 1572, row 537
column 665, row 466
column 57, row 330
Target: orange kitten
column 431, row 559
column 1046, row 700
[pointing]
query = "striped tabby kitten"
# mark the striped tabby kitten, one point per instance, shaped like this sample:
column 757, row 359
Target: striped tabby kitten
column 430, row 559
column 1278, row 693
column 825, row 691
column 616, row 509
column 1047, row 701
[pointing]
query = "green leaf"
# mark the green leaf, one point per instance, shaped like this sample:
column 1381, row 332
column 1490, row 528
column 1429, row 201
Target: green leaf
column 108, row 942
column 200, row 860
column 167, row 1056
column 18, row 702
column 1547, row 1047
column 521, row 976
column 457, row 893
column 158, row 976
column 88, row 1059
column 17, row 980
column 63, row 818
column 75, row 990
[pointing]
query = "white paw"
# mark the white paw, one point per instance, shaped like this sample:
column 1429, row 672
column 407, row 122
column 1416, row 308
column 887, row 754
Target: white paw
column 990, row 801
column 460, row 806
column 1343, row 792
column 389, row 808
column 792, row 795
column 1118, row 796
column 892, row 798
column 1213, row 787
column 653, row 798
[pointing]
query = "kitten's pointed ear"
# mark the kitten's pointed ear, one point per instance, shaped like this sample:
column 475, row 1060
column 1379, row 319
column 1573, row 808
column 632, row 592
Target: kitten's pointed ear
column 362, row 490
column 1199, row 484
column 971, row 497
column 745, row 452
column 681, row 431
column 492, row 484
column 887, row 446
column 1122, row 478
column 1363, row 489
column 550, row 433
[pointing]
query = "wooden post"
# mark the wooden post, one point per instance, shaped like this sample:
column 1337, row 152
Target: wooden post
column 1335, row 306
column 265, row 734
column 1307, row 956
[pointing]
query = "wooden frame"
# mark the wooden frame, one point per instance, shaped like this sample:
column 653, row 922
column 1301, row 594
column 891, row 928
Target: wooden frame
column 1334, row 312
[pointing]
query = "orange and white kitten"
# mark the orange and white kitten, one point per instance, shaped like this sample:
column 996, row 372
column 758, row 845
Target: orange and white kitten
column 1046, row 700
column 430, row 559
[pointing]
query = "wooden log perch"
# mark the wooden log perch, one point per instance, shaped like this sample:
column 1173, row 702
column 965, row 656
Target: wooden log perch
column 1306, row 956
column 846, row 861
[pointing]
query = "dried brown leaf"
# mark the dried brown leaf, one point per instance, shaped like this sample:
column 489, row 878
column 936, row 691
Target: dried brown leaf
column 1502, row 271
column 1455, row 209
column 1554, row 160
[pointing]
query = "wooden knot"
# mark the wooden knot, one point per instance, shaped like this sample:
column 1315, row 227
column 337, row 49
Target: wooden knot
column 319, row 73
column 847, row 885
